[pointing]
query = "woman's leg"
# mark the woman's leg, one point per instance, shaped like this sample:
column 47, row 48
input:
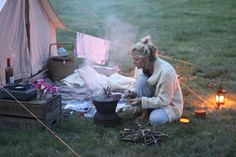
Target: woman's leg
column 143, row 88
column 158, row 117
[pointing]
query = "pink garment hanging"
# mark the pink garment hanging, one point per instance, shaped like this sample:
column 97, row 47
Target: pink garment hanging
column 92, row 48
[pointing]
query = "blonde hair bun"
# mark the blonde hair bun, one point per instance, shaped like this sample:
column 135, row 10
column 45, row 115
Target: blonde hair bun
column 145, row 48
column 146, row 40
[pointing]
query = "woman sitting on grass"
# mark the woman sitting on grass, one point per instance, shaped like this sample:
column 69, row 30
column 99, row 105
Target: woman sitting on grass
column 157, row 88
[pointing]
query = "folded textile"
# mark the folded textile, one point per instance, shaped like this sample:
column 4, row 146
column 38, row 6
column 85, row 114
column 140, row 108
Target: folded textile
column 117, row 81
column 73, row 79
column 93, row 79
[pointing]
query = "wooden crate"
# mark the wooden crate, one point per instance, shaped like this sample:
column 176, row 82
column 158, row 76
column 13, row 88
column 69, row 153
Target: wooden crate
column 13, row 115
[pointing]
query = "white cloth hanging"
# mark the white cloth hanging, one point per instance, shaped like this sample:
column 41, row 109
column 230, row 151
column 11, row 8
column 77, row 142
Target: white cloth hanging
column 92, row 48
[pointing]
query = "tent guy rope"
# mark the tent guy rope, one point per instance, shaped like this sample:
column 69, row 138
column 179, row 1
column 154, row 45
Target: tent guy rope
column 194, row 93
column 52, row 132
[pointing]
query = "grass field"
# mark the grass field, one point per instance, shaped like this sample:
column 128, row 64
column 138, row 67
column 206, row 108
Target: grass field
column 200, row 32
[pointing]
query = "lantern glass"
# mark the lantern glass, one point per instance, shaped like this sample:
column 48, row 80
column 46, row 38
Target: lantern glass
column 220, row 98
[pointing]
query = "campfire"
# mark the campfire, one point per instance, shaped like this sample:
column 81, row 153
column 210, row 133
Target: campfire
column 105, row 104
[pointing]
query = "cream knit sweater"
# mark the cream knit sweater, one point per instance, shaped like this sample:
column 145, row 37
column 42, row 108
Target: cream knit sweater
column 168, row 94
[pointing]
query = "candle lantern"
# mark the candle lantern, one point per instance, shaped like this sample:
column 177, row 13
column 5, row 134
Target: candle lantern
column 184, row 120
column 220, row 97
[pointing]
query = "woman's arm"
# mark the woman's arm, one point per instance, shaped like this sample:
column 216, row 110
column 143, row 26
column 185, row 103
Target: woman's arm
column 165, row 90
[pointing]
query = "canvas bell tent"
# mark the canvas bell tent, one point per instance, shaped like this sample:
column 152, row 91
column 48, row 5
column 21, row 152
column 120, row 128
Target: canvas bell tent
column 27, row 28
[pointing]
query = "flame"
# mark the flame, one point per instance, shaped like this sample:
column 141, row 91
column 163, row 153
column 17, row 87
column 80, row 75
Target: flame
column 210, row 104
column 220, row 99
column 184, row 120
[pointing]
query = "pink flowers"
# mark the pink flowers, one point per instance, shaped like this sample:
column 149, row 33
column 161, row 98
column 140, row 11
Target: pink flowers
column 44, row 89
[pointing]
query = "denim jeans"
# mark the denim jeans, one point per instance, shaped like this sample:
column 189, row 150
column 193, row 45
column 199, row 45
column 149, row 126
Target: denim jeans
column 157, row 116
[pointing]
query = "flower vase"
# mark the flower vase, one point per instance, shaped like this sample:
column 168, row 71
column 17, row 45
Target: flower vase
column 39, row 94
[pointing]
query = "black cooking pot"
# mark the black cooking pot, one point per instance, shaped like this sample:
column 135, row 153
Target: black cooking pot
column 106, row 110
column 105, row 105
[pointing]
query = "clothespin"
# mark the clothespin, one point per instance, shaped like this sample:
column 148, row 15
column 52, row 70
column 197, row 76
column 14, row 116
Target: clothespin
column 82, row 34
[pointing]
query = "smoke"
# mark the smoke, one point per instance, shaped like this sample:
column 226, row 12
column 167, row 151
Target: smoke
column 122, row 36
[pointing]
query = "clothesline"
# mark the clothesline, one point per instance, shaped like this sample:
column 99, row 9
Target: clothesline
column 128, row 46
column 128, row 41
column 180, row 61
column 114, row 42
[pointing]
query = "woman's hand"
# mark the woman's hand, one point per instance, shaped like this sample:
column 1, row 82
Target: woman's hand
column 129, row 94
column 135, row 102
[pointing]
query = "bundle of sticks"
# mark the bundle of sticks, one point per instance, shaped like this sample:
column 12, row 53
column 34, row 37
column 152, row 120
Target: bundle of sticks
column 146, row 136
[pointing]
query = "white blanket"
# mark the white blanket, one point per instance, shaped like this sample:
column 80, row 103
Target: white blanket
column 96, row 81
